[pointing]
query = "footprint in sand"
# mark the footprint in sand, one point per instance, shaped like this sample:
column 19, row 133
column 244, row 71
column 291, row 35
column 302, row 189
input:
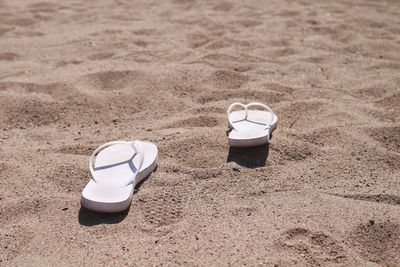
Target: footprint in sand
column 293, row 151
column 224, row 79
column 29, row 111
column 22, row 207
column 161, row 208
column 198, row 121
column 43, row 104
column 378, row 242
column 326, row 137
column 193, row 151
column 316, row 247
column 51, row 91
column 117, row 80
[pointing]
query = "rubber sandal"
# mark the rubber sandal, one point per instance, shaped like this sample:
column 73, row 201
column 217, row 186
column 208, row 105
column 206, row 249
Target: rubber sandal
column 250, row 127
column 116, row 168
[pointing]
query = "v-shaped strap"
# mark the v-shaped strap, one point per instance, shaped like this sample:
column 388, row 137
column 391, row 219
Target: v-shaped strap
column 138, row 151
column 246, row 108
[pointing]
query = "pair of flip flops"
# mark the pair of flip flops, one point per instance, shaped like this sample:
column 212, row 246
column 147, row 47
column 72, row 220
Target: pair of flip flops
column 118, row 167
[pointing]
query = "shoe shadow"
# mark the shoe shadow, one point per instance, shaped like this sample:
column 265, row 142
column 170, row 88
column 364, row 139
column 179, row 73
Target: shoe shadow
column 249, row 157
column 90, row 218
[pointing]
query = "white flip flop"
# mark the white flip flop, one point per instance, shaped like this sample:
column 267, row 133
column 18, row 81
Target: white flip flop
column 250, row 127
column 116, row 168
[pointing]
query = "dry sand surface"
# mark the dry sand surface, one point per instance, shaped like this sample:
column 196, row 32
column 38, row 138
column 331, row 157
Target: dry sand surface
column 76, row 74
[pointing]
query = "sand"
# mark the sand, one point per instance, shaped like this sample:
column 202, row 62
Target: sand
column 76, row 74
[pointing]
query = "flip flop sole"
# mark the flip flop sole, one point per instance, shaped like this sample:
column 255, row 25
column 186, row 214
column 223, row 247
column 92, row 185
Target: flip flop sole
column 113, row 171
column 250, row 130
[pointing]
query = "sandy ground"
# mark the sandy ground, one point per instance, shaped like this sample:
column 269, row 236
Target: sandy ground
column 76, row 74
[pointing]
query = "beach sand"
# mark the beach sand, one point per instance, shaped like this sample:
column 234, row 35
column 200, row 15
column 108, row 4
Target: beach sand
column 76, row 74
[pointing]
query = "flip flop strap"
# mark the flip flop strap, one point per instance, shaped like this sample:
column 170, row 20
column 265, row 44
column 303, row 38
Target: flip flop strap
column 134, row 144
column 246, row 108
column 256, row 104
column 230, row 109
